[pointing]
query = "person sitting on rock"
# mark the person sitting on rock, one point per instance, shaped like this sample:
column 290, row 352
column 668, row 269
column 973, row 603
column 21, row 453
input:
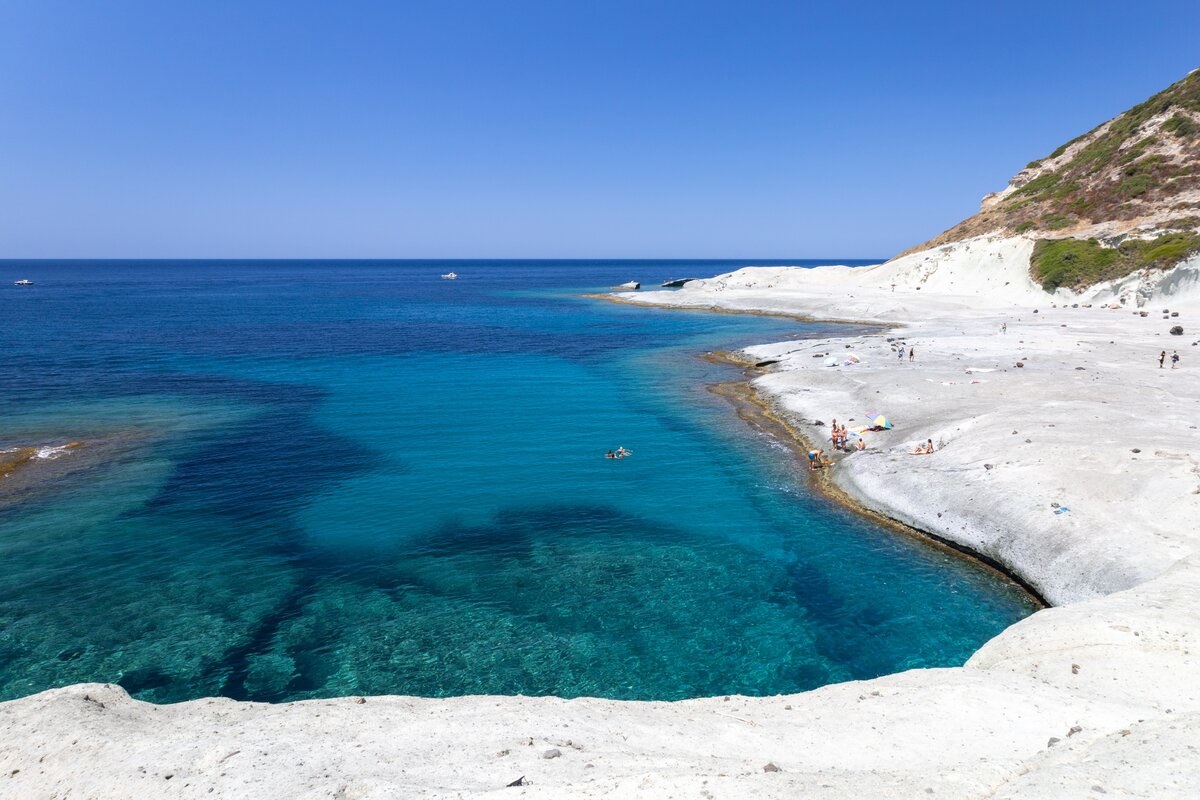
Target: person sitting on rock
column 924, row 449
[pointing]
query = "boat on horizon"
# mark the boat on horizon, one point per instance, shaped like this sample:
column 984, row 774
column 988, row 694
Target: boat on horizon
column 23, row 282
column 450, row 276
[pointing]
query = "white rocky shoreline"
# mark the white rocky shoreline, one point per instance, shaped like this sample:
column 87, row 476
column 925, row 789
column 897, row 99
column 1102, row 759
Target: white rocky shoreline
column 1098, row 696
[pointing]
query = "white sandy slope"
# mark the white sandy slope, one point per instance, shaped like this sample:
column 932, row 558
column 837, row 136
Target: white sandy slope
column 1098, row 697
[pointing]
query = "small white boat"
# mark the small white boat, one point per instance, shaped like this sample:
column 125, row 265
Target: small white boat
column 450, row 276
column 23, row 282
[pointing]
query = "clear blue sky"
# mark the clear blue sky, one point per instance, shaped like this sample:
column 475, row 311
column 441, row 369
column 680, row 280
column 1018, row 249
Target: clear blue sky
column 509, row 128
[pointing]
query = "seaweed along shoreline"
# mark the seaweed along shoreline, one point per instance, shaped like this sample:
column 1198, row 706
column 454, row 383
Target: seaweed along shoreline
column 762, row 414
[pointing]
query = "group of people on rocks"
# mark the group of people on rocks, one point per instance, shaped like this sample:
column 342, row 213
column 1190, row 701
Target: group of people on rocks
column 839, row 437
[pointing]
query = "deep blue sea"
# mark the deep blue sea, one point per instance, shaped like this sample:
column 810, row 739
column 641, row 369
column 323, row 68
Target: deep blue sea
column 307, row 479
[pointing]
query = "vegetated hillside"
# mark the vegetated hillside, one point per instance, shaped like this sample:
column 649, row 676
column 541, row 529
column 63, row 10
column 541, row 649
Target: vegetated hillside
column 1123, row 196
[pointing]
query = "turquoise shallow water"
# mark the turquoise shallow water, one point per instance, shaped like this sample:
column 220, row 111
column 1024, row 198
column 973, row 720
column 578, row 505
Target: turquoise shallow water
column 306, row 479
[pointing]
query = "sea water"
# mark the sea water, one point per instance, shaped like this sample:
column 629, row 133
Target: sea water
column 309, row 479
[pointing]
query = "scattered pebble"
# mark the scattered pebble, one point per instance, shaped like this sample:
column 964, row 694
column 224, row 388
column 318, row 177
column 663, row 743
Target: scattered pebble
column 553, row 752
column 770, row 767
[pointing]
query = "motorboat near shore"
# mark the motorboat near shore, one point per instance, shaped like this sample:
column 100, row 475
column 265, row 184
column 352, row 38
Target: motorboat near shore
column 23, row 282
column 450, row 276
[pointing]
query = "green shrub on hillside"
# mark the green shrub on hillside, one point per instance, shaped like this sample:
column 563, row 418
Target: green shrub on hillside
column 1076, row 263
column 1070, row 262
column 1081, row 206
column 1040, row 184
column 1135, row 185
column 1136, row 150
column 1168, row 250
column 1181, row 126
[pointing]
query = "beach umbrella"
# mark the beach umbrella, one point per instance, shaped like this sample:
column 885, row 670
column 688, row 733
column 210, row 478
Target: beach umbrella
column 831, row 361
column 879, row 421
column 853, row 357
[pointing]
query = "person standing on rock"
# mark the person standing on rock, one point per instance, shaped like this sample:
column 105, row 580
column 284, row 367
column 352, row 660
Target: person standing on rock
column 912, row 353
column 1161, row 358
column 1174, row 359
column 900, row 354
